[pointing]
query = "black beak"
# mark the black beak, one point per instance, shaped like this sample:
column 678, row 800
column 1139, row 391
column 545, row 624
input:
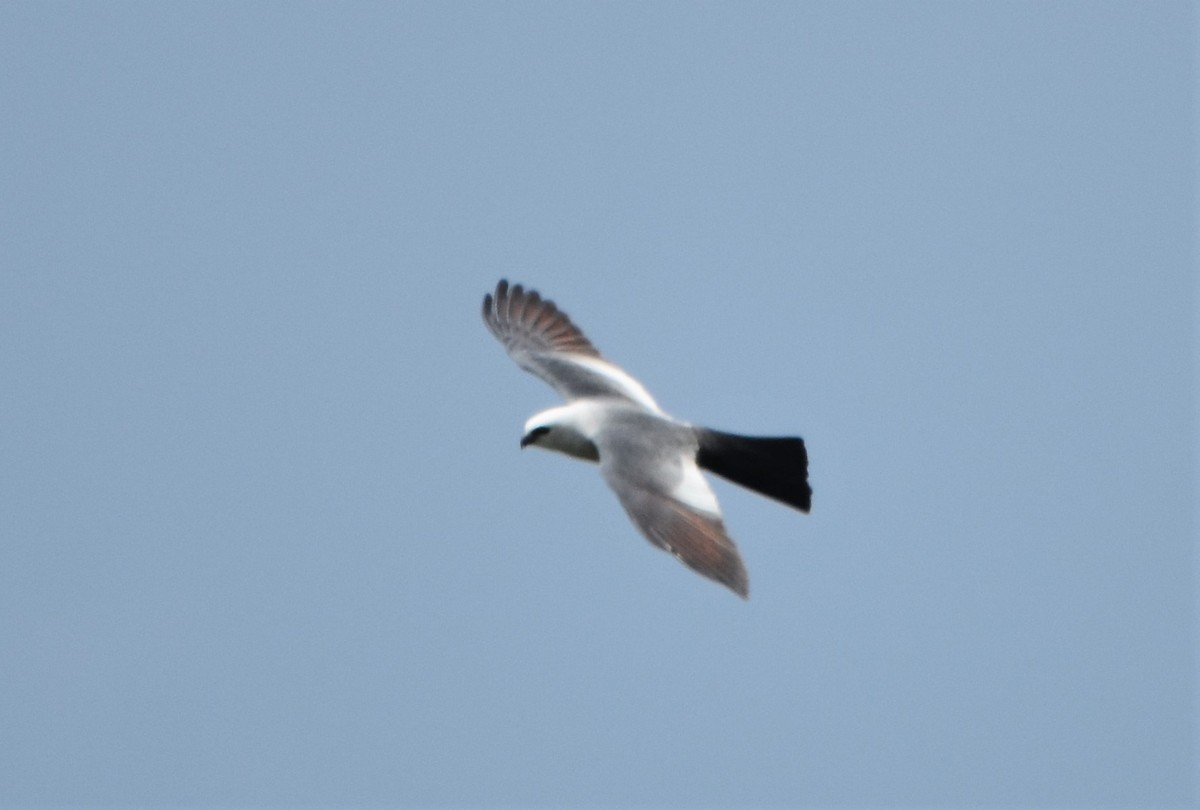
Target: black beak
column 532, row 436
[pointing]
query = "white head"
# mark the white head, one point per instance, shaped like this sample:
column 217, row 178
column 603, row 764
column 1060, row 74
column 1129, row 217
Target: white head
column 566, row 429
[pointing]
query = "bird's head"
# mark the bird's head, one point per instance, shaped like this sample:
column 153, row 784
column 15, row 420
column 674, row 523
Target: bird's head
column 560, row 429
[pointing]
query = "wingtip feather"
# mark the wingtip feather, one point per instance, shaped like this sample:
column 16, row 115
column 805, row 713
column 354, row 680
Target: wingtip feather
column 515, row 314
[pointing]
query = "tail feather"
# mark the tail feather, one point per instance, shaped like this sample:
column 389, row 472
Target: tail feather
column 773, row 466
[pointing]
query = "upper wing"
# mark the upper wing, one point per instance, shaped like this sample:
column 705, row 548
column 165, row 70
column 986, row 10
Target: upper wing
column 658, row 482
column 543, row 340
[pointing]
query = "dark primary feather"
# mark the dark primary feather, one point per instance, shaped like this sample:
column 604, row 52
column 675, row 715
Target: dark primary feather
column 695, row 539
column 541, row 339
column 526, row 322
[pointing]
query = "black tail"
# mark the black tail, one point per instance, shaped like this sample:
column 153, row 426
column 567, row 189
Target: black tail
column 775, row 467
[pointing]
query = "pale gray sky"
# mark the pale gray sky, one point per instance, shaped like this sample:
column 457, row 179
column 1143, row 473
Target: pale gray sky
column 266, row 533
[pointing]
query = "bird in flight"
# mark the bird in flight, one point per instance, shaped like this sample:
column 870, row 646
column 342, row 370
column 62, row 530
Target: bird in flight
column 651, row 460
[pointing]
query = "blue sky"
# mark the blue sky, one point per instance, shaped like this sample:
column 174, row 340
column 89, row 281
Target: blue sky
column 267, row 535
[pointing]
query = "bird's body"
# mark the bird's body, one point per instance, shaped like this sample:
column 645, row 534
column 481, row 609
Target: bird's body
column 651, row 460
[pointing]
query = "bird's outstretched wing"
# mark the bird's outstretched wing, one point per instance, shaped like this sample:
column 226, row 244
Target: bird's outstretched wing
column 654, row 474
column 541, row 339
column 696, row 539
